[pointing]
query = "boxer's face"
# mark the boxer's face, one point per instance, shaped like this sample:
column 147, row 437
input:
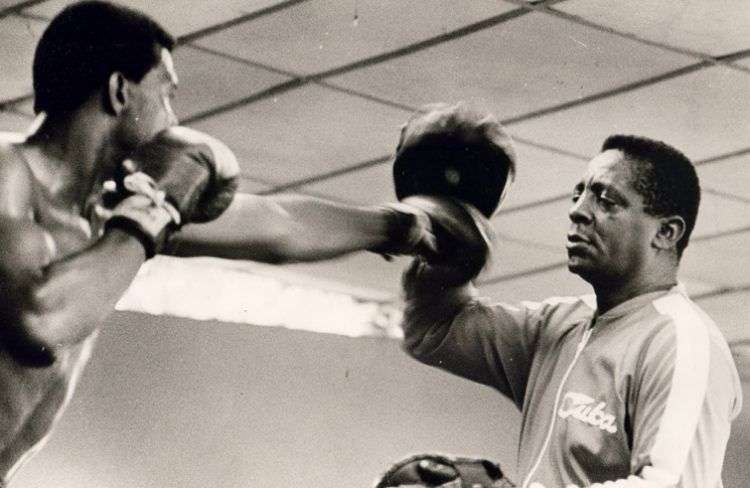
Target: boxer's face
column 610, row 234
column 149, row 106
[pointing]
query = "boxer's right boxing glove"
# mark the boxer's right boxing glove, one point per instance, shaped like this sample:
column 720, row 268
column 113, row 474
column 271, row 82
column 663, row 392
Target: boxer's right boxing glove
column 180, row 176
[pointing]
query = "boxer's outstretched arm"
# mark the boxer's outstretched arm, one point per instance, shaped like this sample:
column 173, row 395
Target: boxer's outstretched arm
column 46, row 302
column 286, row 228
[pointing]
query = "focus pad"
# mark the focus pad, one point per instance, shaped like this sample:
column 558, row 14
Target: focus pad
column 455, row 151
column 464, row 237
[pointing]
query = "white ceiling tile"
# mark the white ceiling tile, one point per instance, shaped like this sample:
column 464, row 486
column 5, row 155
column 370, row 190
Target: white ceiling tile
column 513, row 257
column 546, row 224
column 9, row 3
column 306, row 132
column 523, row 65
column 744, row 62
column 709, row 27
column 179, row 17
column 325, row 34
column 368, row 186
column 11, row 122
column 703, row 114
column 207, row 80
column 730, row 312
column 724, row 261
column 249, row 186
column 542, row 174
column 696, row 286
column 718, row 214
column 18, row 38
column 728, row 175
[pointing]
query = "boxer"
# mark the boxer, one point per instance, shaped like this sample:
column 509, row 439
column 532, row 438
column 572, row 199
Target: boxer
column 103, row 83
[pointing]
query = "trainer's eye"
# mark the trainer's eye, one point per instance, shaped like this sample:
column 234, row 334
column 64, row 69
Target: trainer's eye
column 605, row 203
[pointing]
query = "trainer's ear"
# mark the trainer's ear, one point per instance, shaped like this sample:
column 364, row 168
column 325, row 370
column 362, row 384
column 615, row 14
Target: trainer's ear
column 117, row 93
column 670, row 231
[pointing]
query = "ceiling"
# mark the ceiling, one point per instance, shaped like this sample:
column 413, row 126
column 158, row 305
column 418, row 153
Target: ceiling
column 310, row 94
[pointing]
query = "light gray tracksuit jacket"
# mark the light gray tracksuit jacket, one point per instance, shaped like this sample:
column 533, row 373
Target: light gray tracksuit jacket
column 641, row 396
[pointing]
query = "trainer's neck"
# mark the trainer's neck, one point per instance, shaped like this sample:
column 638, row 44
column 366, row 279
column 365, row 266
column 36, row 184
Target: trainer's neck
column 611, row 293
column 67, row 154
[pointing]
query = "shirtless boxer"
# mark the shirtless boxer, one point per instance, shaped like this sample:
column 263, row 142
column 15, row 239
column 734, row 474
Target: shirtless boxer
column 103, row 80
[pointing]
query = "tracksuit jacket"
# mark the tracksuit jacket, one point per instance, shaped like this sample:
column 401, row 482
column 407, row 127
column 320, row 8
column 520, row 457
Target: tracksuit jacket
column 641, row 396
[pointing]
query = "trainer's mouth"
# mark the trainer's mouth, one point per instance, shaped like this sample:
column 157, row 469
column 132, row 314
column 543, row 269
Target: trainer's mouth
column 577, row 243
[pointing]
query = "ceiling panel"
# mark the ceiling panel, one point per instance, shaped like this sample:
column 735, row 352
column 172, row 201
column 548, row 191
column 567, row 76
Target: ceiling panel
column 177, row 16
column 12, row 122
column 724, row 260
column 18, row 38
column 306, row 132
column 526, row 64
column 703, row 114
column 544, row 224
column 370, row 186
column 696, row 25
column 730, row 312
column 542, row 174
column 9, row 3
column 207, row 80
column 515, row 258
column 718, row 214
column 728, row 175
column 326, row 36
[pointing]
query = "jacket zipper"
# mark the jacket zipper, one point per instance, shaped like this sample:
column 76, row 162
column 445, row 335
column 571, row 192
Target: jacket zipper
column 579, row 350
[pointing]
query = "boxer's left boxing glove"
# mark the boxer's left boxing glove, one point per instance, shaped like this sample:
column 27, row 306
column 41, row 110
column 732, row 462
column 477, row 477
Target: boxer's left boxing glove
column 180, row 176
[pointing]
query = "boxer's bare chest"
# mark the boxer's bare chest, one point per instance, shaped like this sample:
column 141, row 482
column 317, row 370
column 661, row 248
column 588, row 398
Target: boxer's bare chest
column 34, row 397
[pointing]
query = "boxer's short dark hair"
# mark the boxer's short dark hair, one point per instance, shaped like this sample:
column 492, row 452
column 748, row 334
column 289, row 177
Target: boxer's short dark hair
column 87, row 42
column 664, row 177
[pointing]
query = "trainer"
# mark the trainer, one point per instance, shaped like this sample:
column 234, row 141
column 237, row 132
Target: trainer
column 634, row 387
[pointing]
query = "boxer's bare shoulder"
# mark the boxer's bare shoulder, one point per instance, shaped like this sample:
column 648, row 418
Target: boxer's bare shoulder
column 34, row 392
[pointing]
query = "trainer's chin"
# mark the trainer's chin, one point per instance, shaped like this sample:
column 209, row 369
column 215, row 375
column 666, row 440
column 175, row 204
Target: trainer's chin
column 578, row 264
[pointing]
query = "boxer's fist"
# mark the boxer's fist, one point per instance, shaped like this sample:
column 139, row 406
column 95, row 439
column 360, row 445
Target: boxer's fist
column 463, row 240
column 180, row 176
column 197, row 173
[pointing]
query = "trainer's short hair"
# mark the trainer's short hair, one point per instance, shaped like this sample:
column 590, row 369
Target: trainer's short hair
column 87, row 42
column 664, row 177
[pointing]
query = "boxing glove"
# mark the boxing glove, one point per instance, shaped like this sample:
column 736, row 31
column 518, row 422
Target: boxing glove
column 463, row 239
column 180, row 176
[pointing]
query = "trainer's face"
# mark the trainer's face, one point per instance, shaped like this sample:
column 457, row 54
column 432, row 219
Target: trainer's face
column 149, row 110
column 610, row 234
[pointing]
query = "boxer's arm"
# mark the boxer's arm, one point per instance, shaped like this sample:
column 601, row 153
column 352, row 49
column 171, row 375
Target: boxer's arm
column 46, row 302
column 286, row 228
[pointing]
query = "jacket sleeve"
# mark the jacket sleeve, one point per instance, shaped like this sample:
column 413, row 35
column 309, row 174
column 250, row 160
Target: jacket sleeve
column 492, row 344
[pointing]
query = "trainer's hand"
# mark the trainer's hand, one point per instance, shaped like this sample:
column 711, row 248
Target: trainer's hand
column 180, row 176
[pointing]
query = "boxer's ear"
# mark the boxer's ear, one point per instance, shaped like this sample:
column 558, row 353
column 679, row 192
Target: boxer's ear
column 117, row 95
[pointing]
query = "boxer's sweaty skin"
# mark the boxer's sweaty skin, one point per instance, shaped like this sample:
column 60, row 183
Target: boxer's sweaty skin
column 32, row 398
